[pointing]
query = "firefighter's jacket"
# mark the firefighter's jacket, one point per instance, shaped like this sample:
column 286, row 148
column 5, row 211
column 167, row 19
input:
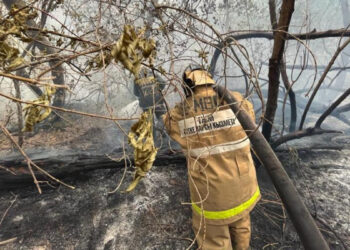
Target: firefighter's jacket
column 222, row 177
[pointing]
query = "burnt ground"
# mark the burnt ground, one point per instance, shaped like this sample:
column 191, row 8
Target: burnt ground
column 156, row 216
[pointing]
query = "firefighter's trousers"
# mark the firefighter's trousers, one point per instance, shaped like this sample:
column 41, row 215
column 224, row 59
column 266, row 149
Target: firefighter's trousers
column 224, row 237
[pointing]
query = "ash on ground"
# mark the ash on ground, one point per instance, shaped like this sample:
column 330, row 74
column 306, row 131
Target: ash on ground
column 157, row 215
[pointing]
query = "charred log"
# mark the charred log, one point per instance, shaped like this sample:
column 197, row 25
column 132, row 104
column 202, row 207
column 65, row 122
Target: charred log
column 14, row 172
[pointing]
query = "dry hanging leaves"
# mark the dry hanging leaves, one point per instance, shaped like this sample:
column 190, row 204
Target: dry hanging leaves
column 35, row 114
column 16, row 25
column 9, row 57
column 132, row 48
column 141, row 139
column 13, row 25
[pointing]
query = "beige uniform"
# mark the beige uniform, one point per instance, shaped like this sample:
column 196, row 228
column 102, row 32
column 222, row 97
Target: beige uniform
column 222, row 178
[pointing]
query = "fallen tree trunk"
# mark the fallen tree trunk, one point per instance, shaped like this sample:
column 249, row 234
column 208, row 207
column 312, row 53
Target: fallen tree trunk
column 304, row 224
column 14, row 171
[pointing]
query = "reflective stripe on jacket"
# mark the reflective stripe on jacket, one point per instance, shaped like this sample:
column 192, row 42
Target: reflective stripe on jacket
column 221, row 172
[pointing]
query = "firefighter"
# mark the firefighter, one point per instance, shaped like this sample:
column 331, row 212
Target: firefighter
column 222, row 177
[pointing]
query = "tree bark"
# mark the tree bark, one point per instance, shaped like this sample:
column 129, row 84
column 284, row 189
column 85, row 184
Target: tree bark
column 287, row 10
column 273, row 16
column 289, row 90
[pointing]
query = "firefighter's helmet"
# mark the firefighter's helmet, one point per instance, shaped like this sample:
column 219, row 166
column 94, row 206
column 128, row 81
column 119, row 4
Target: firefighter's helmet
column 194, row 76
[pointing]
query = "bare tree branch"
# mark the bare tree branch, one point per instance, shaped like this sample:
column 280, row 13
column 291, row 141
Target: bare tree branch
column 269, row 35
column 342, row 109
column 287, row 10
column 273, row 16
column 31, row 81
column 300, row 134
column 310, row 67
column 339, row 49
column 316, row 130
column 287, row 85
column 302, row 36
column 68, row 110
column 331, row 108
column 291, row 95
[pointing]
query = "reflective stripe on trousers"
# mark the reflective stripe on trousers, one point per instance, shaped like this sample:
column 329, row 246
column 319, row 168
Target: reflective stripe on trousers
column 224, row 214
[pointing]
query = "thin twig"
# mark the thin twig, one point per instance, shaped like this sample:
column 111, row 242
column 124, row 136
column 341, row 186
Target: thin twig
column 8, row 134
column 124, row 157
column 32, row 81
column 326, row 224
column 6, row 211
column 68, row 110
column 8, row 170
column 321, row 81
column 30, row 163
column 8, row 241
